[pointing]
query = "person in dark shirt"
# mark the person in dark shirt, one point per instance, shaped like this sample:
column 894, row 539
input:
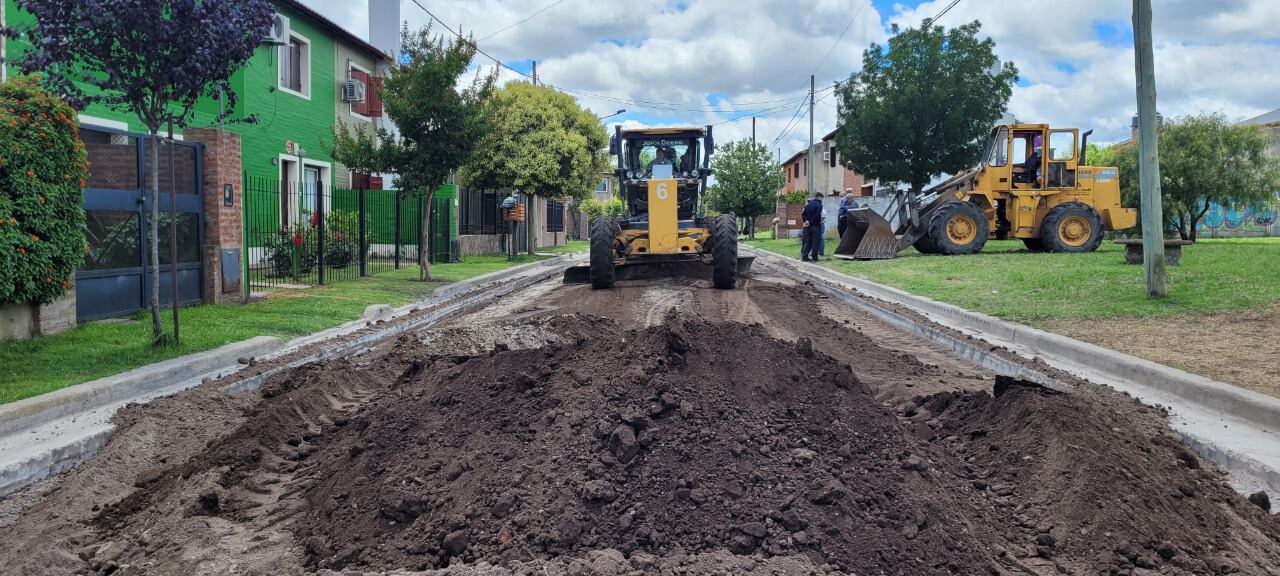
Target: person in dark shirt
column 1031, row 167
column 842, row 212
column 811, row 233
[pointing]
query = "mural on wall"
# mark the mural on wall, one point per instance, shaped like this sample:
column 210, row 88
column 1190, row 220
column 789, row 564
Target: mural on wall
column 1243, row 220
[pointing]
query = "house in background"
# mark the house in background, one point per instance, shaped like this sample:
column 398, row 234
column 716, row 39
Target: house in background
column 830, row 180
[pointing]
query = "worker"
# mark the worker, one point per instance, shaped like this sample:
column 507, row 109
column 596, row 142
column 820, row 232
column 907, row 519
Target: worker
column 847, row 203
column 1031, row 167
column 811, row 232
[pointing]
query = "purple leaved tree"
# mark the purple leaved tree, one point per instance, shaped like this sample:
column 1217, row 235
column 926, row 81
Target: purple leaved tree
column 152, row 58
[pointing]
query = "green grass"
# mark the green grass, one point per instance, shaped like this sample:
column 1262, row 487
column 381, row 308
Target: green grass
column 1006, row 281
column 570, row 246
column 98, row 349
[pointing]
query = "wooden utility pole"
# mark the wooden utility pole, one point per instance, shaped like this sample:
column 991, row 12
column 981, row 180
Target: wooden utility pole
column 1148, row 153
column 809, row 157
column 535, row 72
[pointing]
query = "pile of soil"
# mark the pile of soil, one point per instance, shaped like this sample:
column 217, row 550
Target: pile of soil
column 690, row 437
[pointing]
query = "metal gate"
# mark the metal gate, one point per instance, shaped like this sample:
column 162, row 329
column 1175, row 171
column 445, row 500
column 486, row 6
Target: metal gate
column 115, row 278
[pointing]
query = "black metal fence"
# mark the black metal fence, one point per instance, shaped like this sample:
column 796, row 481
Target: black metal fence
column 302, row 233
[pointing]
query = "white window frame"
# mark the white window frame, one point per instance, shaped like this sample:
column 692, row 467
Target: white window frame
column 304, row 70
column 296, row 168
column 367, row 89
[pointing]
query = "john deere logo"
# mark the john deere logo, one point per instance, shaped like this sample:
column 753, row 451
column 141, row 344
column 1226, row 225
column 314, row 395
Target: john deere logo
column 662, row 191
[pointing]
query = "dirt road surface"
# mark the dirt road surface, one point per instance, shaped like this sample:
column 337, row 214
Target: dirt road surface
column 661, row 427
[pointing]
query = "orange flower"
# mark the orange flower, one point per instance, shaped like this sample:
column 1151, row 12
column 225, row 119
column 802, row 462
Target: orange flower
column 31, row 174
column 35, row 238
column 40, row 199
column 22, row 250
column 66, row 284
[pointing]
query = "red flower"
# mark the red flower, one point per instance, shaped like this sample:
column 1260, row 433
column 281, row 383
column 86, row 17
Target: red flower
column 315, row 219
column 297, row 239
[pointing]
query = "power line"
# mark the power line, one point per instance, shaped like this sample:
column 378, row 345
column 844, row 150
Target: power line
column 838, row 39
column 526, row 19
column 656, row 105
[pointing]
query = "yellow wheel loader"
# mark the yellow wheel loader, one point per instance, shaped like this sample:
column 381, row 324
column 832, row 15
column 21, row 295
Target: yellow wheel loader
column 662, row 175
column 1032, row 184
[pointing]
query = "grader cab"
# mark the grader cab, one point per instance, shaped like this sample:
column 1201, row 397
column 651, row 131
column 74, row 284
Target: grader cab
column 662, row 175
column 1032, row 184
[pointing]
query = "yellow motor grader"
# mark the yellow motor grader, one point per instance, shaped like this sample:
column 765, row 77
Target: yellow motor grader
column 662, row 174
column 1032, row 184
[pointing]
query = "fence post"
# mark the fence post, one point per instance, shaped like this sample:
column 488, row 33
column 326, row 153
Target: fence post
column 320, row 233
column 423, row 256
column 396, row 201
column 364, row 240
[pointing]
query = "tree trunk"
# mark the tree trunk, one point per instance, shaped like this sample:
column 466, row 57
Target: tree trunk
column 751, row 227
column 424, row 260
column 153, row 239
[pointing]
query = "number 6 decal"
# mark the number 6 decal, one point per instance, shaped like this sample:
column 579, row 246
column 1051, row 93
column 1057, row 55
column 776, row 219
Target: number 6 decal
column 662, row 191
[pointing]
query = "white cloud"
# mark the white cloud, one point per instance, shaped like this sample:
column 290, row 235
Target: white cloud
column 699, row 54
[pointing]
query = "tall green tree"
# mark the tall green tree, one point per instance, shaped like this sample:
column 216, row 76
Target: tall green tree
column 151, row 58
column 540, row 142
column 1204, row 159
column 438, row 117
column 924, row 106
column 747, row 181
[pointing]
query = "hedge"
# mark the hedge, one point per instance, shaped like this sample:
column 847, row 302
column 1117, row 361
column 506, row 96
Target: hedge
column 43, row 168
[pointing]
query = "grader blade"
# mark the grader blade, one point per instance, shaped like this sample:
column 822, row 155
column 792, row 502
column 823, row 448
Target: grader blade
column 868, row 237
column 651, row 268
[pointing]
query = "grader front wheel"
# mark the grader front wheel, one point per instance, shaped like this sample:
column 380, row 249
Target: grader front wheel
column 724, row 252
column 603, row 235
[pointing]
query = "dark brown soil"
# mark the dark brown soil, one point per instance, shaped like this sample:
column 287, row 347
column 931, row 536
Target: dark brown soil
column 676, row 436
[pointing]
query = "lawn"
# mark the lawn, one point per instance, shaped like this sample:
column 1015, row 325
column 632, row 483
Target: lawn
column 569, row 247
column 1007, row 281
column 100, row 349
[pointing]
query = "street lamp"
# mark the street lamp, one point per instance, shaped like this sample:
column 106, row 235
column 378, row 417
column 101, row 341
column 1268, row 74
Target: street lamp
column 612, row 115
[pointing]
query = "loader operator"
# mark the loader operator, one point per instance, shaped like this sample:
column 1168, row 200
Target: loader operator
column 1031, row 167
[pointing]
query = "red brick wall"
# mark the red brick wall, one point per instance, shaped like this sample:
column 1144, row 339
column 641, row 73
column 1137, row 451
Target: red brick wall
column 222, row 223
column 852, row 180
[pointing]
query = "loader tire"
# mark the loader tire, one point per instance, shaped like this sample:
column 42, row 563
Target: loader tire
column 926, row 245
column 958, row 228
column 603, row 235
column 724, row 252
column 1071, row 227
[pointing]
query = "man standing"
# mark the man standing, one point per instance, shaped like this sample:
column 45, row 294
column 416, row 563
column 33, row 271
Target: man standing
column 811, row 233
column 842, row 212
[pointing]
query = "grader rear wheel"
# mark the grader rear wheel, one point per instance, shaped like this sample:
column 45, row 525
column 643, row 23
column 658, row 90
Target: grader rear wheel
column 604, row 231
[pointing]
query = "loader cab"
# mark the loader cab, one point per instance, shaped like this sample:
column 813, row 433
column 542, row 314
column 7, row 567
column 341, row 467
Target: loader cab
column 679, row 154
column 1037, row 157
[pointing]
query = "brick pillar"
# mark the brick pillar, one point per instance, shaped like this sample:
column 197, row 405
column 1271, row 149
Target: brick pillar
column 223, row 223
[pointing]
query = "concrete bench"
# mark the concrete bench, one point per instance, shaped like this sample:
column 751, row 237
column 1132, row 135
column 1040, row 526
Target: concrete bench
column 1133, row 250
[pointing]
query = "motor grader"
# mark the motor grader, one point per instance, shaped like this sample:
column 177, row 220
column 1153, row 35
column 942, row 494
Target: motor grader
column 1032, row 184
column 662, row 175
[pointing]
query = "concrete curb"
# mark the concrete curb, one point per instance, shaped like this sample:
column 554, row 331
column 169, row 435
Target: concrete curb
column 1238, row 429
column 29, row 412
column 1242, row 403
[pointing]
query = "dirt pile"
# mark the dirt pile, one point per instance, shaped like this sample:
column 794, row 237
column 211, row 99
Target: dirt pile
column 694, row 437
column 1100, row 485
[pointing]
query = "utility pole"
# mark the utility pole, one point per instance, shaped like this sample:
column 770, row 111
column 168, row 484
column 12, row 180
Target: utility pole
column 753, row 130
column 809, row 158
column 1148, row 153
column 535, row 72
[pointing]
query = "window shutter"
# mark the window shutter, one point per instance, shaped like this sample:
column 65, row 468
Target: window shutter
column 295, row 66
column 375, row 182
column 373, row 97
column 361, row 108
column 359, row 180
column 285, row 51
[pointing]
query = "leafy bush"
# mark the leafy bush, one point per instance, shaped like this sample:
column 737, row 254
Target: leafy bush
column 290, row 243
column 612, row 208
column 342, row 237
column 795, row 197
column 43, row 168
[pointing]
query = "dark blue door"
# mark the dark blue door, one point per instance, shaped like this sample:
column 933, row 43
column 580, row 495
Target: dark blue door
column 114, row 280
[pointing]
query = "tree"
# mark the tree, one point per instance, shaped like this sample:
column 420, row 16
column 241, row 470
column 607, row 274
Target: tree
column 151, row 58
column 540, row 142
column 924, row 106
column 438, row 118
column 42, row 171
column 747, row 181
column 1204, row 160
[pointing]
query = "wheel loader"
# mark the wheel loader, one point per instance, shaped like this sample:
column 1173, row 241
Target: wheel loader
column 662, row 175
column 1032, row 184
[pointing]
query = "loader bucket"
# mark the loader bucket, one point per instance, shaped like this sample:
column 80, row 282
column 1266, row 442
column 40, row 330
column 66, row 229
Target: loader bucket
column 868, row 237
column 653, row 268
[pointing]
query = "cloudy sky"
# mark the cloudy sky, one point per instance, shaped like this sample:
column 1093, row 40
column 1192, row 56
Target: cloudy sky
column 722, row 61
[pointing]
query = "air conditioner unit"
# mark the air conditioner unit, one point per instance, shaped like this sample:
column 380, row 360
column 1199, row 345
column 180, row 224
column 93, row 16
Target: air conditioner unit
column 353, row 91
column 826, row 156
column 279, row 33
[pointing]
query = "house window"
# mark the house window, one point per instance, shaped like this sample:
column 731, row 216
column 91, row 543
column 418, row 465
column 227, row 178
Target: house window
column 555, row 216
column 796, row 168
column 295, row 66
column 832, row 153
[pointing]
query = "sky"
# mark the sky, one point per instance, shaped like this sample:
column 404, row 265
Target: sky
column 696, row 62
